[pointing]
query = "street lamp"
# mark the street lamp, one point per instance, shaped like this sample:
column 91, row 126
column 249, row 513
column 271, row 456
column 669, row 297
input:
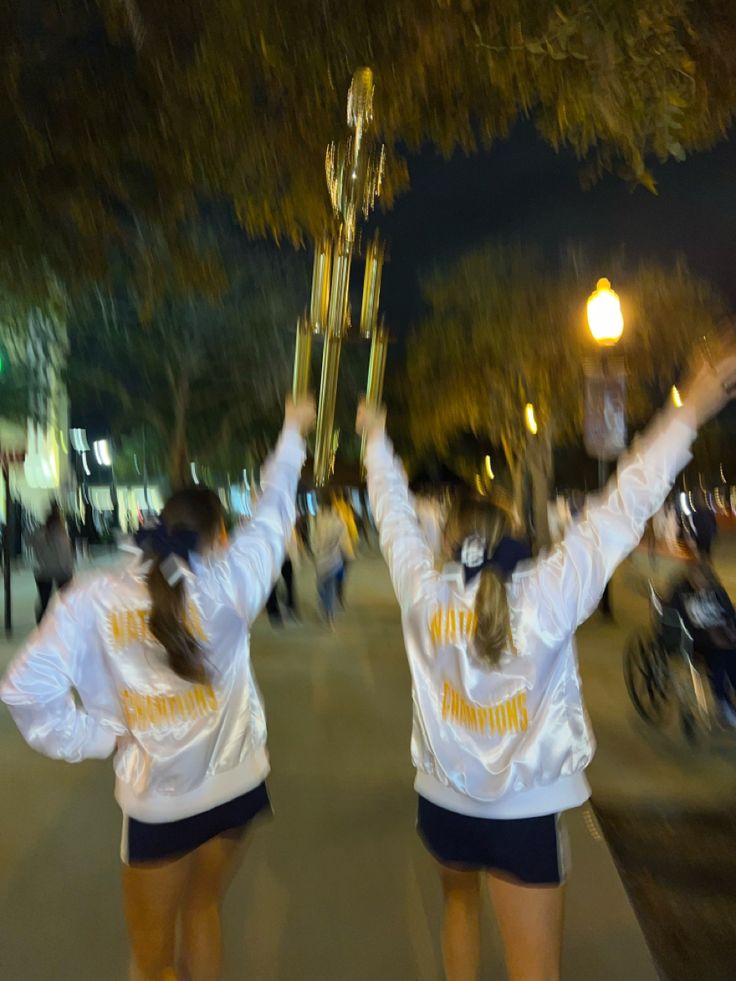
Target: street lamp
column 606, row 324
column 605, row 320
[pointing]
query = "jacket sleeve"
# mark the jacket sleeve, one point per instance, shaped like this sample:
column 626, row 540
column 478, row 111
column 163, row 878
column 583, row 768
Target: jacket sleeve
column 403, row 543
column 61, row 657
column 571, row 579
column 253, row 561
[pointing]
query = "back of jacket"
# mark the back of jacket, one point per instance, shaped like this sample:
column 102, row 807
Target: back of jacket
column 512, row 740
column 181, row 747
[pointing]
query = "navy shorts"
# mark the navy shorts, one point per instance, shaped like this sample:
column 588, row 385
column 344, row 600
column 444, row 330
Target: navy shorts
column 143, row 842
column 532, row 850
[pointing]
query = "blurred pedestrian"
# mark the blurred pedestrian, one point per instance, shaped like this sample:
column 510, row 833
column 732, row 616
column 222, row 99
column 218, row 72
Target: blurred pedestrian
column 703, row 524
column 501, row 738
column 151, row 662
column 344, row 509
column 330, row 541
column 53, row 558
column 288, row 570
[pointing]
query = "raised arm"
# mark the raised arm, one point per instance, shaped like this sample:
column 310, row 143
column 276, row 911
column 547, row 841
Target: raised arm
column 253, row 560
column 62, row 655
column 403, row 543
column 570, row 580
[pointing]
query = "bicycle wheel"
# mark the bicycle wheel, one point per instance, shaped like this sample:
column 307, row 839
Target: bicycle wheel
column 647, row 677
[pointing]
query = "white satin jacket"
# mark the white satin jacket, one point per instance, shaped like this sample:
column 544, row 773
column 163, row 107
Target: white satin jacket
column 512, row 741
column 93, row 675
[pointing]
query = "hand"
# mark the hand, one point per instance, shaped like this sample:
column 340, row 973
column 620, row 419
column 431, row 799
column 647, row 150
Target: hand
column 300, row 414
column 370, row 418
column 711, row 385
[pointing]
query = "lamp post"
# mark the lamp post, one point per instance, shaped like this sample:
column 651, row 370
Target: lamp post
column 605, row 402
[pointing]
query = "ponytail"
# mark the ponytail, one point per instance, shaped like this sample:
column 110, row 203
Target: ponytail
column 476, row 530
column 169, row 626
column 190, row 522
column 493, row 633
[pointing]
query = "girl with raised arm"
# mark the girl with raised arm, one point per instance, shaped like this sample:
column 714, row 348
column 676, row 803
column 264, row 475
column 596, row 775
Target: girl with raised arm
column 501, row 738
column 151, row 662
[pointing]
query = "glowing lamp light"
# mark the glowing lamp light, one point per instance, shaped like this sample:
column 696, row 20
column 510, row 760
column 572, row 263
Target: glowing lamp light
column 479, row 485
column 530, row 419
column 193, row 471
column 78, row 439
column 605, row 320
column 676, row 397
column 101, row 449
column 489, row 469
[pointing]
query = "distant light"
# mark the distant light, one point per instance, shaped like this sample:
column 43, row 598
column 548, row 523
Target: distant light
column 193, row 469
column 684, row 505
column 530, row 419
column 135, row 463
column 79, row 440
column 246, row 482
column 489, row 468
column 676, row 397
column 479, row 485
column 723, row 477
column 102, row 452
column 85, row 464
column 312, row 503
column 605, row 320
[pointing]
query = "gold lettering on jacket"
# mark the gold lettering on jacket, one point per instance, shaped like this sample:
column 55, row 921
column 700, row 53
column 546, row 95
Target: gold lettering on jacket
column 146, row 711
column 510, row 715
column 450, row 626
column 132, row 627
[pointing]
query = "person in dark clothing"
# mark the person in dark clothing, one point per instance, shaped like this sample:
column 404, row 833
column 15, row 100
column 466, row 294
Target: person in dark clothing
column 272, row 605
column 703, row 524
column 709, row 617
column 53, row 558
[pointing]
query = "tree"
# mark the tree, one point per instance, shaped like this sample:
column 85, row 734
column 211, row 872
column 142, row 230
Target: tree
column 506, row 328
column 200, row 368
column 124, row 114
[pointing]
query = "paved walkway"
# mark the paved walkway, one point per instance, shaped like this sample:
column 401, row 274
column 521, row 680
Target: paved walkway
column 338, row 886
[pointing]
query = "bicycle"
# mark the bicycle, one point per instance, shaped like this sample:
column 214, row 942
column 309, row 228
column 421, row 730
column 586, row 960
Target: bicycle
column 661, row 673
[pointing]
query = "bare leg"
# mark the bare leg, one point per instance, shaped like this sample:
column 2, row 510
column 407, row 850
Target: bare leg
column 530, row 918
column 213, row 867
column 461, row 924
column 152, row 896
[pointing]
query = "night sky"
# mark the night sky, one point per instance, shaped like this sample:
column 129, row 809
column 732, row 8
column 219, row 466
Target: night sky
column 521, row 189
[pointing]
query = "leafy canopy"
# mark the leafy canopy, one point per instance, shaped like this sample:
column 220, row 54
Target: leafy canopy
column 124, row 114
column 506, row 327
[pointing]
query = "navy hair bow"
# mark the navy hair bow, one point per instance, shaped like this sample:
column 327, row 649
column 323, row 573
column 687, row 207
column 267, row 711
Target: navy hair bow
column 505, row 557
column 163, row 543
